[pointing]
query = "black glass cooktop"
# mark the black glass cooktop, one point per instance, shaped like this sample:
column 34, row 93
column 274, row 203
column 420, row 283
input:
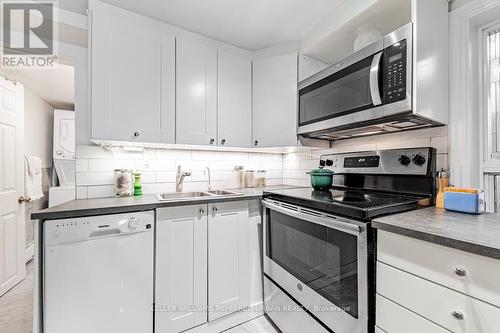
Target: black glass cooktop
column 351, row 203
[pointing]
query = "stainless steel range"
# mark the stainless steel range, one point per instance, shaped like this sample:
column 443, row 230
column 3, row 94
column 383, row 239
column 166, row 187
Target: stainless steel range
column 319, row 246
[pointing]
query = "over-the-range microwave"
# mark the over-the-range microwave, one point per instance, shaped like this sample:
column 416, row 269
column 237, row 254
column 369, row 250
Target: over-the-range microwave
column 369, row 92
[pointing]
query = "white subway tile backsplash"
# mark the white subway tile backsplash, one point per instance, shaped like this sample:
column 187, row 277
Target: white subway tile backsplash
column 158, row 166
column 166, row 176
column 103, row 191
column 81, row 192
column 162, row 154
column 82, row 165
column 94, row 178
column 96, row 165
column 440, row 143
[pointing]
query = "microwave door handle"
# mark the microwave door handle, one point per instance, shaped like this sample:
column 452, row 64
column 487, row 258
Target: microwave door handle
column 374, row 75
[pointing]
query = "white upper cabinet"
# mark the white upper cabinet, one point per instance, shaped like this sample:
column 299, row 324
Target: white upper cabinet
column 229, row 270
column 234, row 100
column 132, row 77
column 275, row 101
column 196, row 120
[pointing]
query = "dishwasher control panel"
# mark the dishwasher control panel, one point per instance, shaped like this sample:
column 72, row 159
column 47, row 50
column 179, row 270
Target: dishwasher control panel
column 95, row 227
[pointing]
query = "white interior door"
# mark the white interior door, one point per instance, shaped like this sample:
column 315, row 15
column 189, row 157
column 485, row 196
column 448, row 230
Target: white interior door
column 12, row 266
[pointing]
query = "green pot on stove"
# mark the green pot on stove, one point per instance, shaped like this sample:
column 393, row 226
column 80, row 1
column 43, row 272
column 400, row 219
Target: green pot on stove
column 321, row 178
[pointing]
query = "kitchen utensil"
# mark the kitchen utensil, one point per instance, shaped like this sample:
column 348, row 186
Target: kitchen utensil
column 443, row 181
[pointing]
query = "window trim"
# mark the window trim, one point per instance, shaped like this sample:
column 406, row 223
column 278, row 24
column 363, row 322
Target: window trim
column 489, row 167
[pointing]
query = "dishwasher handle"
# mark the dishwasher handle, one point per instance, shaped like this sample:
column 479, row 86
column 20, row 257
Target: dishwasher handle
column 105, row 232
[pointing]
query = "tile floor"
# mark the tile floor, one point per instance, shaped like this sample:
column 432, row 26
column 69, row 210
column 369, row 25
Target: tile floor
column 16, row 311
column 16, row 306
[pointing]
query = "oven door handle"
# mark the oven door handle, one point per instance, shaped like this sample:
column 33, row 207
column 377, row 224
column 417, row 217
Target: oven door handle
column 314, row 217
column 374, row 75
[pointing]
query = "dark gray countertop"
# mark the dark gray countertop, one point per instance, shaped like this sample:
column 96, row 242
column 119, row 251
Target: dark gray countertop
column 478, row 234
column 90, row 207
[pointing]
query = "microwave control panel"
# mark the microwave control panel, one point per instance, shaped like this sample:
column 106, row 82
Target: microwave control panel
column 394, row 79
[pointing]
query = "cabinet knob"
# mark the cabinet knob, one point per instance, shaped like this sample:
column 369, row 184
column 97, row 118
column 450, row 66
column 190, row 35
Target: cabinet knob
column 457, row 315
column 223, row 141
column 136, row 134
column 214, row 209
column 459, row 271
column 256, row 143
column 202, row 211
column 212, row 141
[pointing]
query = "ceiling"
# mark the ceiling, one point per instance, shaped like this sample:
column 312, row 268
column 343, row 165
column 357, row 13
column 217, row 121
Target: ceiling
column 252, row 25
column 55, row 86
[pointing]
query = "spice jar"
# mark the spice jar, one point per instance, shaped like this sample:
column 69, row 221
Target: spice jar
column 249, row 178
column 238, row 176
column 260, row 178
column 124, row 182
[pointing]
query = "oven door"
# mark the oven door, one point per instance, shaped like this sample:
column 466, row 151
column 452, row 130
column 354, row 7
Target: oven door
column 321, row 261
column 345, row 93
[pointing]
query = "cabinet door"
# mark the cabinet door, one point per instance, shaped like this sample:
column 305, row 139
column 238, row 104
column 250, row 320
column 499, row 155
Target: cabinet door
column 234, row 100
column 196, row 93
column 275, row 101
column 228, row 258
column 181, row 268
column 133, row 79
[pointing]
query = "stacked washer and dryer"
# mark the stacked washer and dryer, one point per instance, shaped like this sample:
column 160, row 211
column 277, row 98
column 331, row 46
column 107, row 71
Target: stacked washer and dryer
column 63, row 174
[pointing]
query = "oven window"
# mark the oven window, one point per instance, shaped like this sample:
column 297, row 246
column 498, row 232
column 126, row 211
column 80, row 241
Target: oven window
column 324, row 259
column 343, row 92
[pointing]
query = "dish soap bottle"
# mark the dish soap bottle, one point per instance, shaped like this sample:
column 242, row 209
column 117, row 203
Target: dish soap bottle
column 137, row 183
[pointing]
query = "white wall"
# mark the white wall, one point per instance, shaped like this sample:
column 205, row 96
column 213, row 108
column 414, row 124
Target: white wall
column 38, row 127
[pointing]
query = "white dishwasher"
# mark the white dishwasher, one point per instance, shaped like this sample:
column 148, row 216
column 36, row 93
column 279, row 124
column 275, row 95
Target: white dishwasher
column 98, row 274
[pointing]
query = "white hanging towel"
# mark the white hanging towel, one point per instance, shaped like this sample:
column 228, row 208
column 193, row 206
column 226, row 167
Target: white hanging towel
column 33, row 177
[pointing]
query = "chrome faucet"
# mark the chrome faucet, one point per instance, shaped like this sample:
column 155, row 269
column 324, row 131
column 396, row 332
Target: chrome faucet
column 179, row 179
column 207, row 169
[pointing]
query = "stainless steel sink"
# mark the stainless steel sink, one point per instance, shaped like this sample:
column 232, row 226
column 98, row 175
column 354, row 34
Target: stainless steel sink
column 181, row 195
column 222, row 192
column 172, row 196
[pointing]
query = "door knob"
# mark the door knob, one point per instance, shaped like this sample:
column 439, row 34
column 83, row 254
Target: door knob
column 23, row 199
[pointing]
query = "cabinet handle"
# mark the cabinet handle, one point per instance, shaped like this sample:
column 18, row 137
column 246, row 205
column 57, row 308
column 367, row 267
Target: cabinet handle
column 202, row 211
column 459, row 271
column 136, row 134
column 223, row 141
column 457, row 315
column 214, row 209
column 256, row 143
column 212, row 141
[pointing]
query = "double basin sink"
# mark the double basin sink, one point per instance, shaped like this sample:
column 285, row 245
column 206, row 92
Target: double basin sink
column 193, row 195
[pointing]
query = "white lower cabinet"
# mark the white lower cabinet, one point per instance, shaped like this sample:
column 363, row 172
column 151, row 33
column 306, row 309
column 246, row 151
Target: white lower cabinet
column 228, row 258
column 181, row 268
column 208, row 266
column 424, row 287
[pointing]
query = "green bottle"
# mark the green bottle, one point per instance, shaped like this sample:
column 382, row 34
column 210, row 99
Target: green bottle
column 137, row 183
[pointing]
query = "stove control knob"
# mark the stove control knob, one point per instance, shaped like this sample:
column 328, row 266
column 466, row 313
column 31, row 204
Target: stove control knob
column 419, row 160
column 404, row 160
